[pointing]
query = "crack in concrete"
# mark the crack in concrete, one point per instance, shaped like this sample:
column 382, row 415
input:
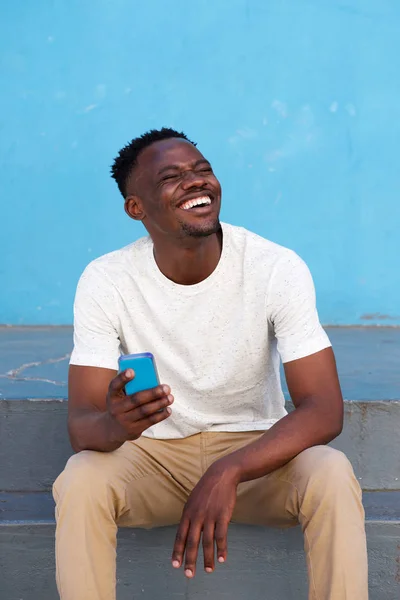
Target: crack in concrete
column 42, row 379
column 49, row 361
column 14, row 374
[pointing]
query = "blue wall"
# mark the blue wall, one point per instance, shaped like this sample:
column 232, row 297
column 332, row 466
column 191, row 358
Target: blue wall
column 296, row 103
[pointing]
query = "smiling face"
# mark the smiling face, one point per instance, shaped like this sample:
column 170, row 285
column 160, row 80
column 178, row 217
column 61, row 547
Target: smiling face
column 174, row 191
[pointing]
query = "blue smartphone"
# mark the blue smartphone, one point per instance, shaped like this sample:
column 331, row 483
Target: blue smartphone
column 144, row 365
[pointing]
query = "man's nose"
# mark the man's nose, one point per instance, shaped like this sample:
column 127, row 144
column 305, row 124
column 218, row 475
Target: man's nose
column 192, row 179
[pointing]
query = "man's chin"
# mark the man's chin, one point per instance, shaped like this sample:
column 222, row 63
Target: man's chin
column 201, row 229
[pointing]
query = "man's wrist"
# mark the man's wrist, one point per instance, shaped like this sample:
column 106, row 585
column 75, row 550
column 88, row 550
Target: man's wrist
column 227, row 467
column 115, row 432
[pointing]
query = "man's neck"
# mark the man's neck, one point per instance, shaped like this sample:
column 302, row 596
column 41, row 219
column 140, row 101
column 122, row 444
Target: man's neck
column 190, row 262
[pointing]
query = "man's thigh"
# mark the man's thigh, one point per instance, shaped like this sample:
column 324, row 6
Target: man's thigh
column 266, row 501
column 297, row 489
column 147, row 481
column 165, row 473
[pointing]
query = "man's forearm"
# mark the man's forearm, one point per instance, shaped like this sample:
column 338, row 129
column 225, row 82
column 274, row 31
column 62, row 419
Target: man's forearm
column 307, row 426
column 92, row 430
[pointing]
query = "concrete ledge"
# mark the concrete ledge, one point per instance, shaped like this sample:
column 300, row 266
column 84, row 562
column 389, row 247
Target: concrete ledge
column 263, row 563
column 33, row 407
column 34, row 361
column 371, row 441
column 35, row 443
column 38, row 507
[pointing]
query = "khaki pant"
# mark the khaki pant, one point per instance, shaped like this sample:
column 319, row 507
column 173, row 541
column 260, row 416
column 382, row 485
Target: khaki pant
column 147, row 482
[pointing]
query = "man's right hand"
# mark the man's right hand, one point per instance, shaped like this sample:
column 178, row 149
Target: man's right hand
column 130, row 415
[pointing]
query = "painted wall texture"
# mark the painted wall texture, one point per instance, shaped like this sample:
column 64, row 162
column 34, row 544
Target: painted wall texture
column 296, row 103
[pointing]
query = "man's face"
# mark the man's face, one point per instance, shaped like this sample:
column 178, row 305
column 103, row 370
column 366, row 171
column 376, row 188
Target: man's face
column 174, row 191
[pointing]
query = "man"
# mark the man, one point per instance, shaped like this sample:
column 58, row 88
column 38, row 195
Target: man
column 217, row 306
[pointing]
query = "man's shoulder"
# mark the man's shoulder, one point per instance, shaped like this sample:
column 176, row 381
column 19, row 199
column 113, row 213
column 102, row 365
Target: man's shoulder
column 258, row 248
column 112, row 263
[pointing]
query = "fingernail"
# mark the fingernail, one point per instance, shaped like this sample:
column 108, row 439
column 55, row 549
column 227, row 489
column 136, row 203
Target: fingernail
column 169, row 411
column 129, row 373
column 166, row 389
column 221, row 559
column 175, row 564
column 209, row 570
column 170, row 398
column 188, row 573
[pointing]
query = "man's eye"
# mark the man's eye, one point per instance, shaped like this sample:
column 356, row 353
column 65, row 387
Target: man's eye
column 168, row 177
column 206, row 170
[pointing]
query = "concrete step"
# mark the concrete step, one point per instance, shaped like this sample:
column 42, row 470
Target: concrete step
column 33, row 406
column 34, row 361
column 260, row 559
column 34, row 440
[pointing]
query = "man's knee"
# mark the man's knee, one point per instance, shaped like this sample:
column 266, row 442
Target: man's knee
column 326, row 467
column 82, row 477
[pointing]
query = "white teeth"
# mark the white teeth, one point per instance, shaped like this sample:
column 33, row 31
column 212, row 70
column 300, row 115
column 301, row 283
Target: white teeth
column 195, row 202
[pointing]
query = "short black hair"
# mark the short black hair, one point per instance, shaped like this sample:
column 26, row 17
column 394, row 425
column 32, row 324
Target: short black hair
column 127, row 157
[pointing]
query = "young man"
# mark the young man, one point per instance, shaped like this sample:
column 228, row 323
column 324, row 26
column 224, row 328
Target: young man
column 217, row 306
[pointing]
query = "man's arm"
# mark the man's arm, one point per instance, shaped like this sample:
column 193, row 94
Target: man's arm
column 101, row 417
column 310, row 371
column 317, row 419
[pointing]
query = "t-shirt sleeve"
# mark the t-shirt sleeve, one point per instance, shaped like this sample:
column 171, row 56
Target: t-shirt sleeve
column 96, row 338
column 292, row 310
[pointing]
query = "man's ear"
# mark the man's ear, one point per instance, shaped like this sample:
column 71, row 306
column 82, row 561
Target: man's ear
column 134, row 208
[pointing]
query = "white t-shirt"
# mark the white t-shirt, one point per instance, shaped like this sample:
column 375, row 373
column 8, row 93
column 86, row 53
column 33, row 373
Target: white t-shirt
column 216, row 343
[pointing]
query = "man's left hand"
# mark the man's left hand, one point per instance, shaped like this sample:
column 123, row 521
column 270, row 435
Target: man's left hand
column 208, row 512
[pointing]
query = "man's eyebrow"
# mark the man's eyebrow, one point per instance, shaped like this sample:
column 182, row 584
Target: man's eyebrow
column 176, row 167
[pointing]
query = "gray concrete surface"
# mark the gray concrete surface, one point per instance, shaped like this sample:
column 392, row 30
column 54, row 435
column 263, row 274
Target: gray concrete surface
column 38, row 507
column 33, row 407
column 258, row 557
column 34, row 443
column 263, row 564
column 34, row 360
column 370, row 439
